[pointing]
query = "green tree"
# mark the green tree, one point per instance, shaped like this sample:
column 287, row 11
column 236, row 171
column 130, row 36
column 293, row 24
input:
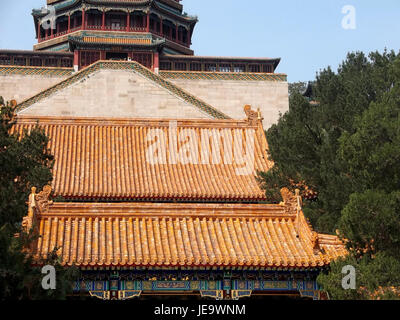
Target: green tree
column 347, row 149
column 297, row 87
column 25, row 162
column 304, row 144
column 370, row 221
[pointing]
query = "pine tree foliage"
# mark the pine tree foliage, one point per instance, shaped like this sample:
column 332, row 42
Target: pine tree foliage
column 346, row 148
column 25, row 162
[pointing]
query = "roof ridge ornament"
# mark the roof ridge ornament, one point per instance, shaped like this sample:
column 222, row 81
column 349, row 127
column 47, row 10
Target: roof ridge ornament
column 315, row 242
column 42, row 199
column 293, row 205
column 27, row 221
column 37, row 203
column 291, row 202
column 253, row 117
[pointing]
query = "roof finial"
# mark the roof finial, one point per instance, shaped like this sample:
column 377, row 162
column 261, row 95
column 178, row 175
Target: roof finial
column 42, row 198
column 27, row 222
column 252, row 116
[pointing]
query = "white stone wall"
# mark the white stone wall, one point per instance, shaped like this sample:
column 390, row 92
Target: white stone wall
column 22, row 87
column 230, row 96
column 116, row 94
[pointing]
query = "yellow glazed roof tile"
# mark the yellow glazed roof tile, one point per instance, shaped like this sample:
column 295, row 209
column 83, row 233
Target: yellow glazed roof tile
column 107, row 159
column 187, row 235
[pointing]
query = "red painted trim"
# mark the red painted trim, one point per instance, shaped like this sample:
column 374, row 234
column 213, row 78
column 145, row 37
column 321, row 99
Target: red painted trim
column 128, row 21
column 148, row 22
column 156, row 61
column 76, row 58
column 38, row 31
column 83, row 19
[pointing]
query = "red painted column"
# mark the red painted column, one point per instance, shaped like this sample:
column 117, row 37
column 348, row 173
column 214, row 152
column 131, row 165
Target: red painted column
column 38, row 31
column 148, row 22
column 188, row 38
column 161, row 26
column 156, row 62
column 83, row 19
column 103, row 21
column 102, row 55
column 176, row 34
column 69, row 24
column 76, row 60
column 51, row 32
column 46, row 33
column 128, row 21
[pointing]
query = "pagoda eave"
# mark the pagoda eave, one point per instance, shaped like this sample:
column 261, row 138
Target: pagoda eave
column 144, row 6
column 77, row 43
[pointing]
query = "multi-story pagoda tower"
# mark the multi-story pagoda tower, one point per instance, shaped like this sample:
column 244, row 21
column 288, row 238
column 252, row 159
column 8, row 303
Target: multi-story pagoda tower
column 73, row 35
column 139, row 30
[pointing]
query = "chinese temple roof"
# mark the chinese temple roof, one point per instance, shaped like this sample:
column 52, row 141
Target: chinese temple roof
column 225, row 59
column 168, row 6
column 107, row 159
column 93, row 40
column 182, row 235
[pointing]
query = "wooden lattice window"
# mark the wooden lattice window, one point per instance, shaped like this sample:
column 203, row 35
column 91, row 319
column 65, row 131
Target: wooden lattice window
column 267, row 68
column 211, row 67
column 19, row 61
column 66, row 63
column 145, row 59
column 35, row 62
column 254, row 68
column 225, row 68
column 239, row 68
column 180, row 66
column 89, row 57
column 50, row 62
column 195, row 66
column 165, row 66
column 5, row 60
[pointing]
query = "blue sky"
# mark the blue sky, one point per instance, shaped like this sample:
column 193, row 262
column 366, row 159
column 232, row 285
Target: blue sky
column 307, row 35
